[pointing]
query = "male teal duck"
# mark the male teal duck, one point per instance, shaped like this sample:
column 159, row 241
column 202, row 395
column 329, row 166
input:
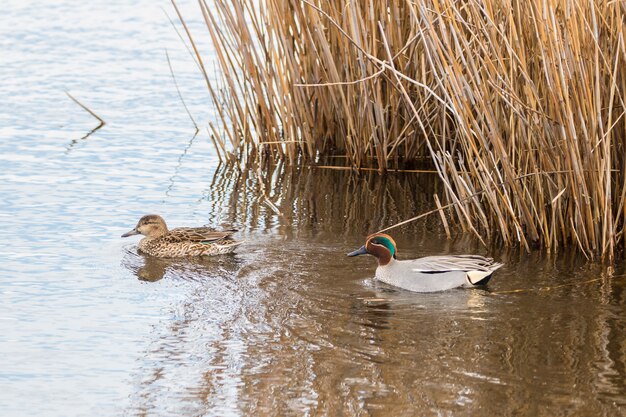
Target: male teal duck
column 429, row 274
column 181, row 242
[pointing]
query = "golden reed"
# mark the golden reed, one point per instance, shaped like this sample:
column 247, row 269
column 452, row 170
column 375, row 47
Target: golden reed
column 518, row 104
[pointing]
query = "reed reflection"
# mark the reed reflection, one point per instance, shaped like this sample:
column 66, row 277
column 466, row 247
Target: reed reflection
column 316, row 202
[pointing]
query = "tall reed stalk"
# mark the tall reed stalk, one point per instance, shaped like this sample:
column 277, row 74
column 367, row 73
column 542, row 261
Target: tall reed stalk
column 518, row 104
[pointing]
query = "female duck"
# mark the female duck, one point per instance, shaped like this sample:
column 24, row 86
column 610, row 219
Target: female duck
column 182, row 241
column 429, row 274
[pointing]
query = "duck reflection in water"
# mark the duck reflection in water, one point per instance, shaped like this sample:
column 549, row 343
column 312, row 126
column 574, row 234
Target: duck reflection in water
column 151, row 269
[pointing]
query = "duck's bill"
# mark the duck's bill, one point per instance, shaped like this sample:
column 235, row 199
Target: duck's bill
column 131, row 233
column 359, row 251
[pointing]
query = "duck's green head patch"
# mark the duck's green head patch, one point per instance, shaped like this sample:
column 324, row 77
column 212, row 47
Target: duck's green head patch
column 383, row 240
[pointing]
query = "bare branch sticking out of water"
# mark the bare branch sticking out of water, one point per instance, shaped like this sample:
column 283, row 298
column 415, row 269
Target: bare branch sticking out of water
column 169, row 63
column 182, row 39
column 102, row 122
column 92, row 131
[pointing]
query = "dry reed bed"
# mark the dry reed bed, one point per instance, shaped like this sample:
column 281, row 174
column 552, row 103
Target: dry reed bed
column 519, row 105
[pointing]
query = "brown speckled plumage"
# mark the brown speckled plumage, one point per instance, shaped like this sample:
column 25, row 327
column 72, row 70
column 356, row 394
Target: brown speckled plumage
column 182, row 241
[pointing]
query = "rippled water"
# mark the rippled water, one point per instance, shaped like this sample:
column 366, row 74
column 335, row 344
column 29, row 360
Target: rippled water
column 286, row 326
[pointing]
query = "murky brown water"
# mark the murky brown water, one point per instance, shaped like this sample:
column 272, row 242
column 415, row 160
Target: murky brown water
column 290, row 326
column 286, row 326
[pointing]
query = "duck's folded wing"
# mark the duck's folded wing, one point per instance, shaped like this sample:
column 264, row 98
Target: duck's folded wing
column 199, row 234
column 454, row 263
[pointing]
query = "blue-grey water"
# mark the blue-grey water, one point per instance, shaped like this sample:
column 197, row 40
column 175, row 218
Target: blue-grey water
column 286, row 326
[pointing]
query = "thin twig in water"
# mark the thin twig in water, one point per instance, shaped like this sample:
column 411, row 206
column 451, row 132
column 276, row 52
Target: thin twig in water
column 102, row 122
column 181, row 39
column 91, row 132
column 169, row 63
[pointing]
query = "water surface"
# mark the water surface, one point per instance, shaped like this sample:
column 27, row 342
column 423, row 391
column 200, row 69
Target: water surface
column 286, row 326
